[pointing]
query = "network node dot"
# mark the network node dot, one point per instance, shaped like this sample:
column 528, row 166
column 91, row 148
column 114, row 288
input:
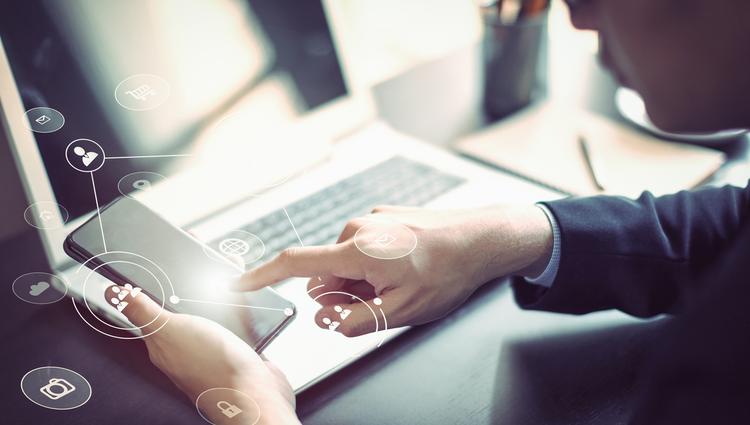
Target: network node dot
column 174, row 299
column 377, row 301
column 288, row 311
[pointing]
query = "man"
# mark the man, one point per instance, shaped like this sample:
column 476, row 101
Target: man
column 689, row 61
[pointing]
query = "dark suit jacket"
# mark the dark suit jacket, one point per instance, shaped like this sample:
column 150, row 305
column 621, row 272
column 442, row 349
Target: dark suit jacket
column 687, row 254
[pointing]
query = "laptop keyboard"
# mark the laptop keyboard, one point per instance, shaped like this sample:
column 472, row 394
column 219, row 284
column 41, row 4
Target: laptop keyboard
column 320, row 217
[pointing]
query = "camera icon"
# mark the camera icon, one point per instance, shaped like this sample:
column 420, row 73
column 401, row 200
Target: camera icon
column 57, row 388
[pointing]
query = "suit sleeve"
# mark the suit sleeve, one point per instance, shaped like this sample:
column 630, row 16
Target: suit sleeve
column 639, row 255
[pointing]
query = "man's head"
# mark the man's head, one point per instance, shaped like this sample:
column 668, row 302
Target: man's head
column 689, row 59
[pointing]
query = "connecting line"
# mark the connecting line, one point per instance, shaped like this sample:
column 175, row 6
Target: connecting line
column 146, row 156
column 230, row 304
column 312, row 289
column 293, row 228
column 385, row 322
column 98, row 212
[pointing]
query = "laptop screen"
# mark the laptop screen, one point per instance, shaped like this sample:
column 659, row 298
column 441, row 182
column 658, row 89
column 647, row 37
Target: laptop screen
column 142, row 80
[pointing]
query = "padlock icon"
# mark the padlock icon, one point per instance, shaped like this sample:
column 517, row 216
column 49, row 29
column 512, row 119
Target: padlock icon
column 228, row 409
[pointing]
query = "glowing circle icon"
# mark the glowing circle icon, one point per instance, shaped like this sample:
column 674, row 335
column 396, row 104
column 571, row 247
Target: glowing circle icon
column 234, row 247
column 141, row 184
column 225, row 404
column 238, row 246
column 139, row 181
column 44, row 119
column 40, row 288
column 85, row 155
column 56, row 388
column 142, row 92
column 385, row 240
column 46, row 215
column 155, row 280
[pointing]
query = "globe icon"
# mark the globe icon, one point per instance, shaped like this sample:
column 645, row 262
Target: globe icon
column 234, row 247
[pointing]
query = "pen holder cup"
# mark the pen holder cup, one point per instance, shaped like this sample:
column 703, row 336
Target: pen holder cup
column 515, row 64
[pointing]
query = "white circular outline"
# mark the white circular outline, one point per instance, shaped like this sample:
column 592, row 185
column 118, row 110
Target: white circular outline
column 130, row 174
column 86, row 301
column 65, row 284
column 377, row 322
column 88, row 384
column 115, row 336
column 164, row 80
column 104, row 156
column 75, row 306
column 31, row 127
column 213, row 253
column 385, row 319
column 65, row 215
column 260, row 414
column 373, row 222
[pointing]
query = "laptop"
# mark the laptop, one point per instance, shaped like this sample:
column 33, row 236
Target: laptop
column 223, row 116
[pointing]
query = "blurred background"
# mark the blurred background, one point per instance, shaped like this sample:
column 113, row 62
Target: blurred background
column 422, row 58
column 517, row 95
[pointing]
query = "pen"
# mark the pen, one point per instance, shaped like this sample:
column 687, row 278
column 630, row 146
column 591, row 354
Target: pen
column 583, row 145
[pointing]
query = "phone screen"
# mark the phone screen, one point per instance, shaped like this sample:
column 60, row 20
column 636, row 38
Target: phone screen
column 175, row 269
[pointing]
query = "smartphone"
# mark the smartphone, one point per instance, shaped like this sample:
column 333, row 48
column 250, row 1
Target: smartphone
column 175, row 269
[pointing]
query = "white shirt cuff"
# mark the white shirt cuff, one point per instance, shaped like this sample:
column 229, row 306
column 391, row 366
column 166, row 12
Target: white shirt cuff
column 550, row 272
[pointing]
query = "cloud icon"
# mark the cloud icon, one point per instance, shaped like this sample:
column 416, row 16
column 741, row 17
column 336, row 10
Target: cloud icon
column 38, row 288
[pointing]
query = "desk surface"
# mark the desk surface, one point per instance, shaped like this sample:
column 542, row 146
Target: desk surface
column 487, row 362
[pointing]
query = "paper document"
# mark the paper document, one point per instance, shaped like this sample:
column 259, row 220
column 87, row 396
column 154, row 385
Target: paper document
column 542, row 144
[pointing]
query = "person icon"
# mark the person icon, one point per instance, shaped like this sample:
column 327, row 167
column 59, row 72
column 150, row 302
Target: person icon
column 343, row 312
column 86, row 157
column 121, row 293
column 332, row 325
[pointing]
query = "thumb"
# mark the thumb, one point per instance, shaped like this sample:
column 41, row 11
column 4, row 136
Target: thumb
column 141, row 310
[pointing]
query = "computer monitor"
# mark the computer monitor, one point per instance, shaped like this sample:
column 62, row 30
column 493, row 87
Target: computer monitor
column 257, row 63
column 192, row 61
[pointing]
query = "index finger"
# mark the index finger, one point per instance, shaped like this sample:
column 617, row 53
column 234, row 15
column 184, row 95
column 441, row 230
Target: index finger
column 307, row 261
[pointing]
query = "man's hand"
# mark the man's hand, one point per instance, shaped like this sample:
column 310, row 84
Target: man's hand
column 198, row 354
column 456, row 252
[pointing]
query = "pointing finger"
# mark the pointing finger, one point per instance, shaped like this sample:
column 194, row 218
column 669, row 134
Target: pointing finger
column 339, row 260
